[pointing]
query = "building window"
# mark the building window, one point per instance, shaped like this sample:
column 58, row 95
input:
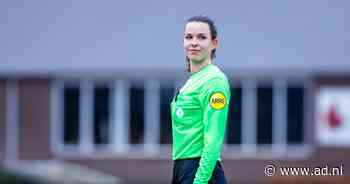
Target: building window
column 101, row 115
column 89, row 123
column 166, row 95
column 137, row 95
column 282, row 124
column 234, row 122
column 264, row 115
column 71, row 115
column 138, row 113
column 295, row 115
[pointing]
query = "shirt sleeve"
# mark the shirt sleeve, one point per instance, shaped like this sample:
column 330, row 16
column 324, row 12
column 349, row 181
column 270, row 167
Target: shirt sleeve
column 214, row 99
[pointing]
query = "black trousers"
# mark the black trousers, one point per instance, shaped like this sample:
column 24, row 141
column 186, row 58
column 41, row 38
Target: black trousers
column 184, row 171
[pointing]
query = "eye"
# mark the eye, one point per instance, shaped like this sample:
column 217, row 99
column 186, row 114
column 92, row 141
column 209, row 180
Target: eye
column 188, row 37
column 202, row 37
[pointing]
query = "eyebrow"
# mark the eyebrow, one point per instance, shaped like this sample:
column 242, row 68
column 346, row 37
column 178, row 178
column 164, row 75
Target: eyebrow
column 197, row 33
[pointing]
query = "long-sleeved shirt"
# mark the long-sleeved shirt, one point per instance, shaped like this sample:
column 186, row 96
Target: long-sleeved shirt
column 199, row 115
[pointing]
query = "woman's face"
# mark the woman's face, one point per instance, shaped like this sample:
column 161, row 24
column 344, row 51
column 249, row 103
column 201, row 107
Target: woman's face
column 198, row 42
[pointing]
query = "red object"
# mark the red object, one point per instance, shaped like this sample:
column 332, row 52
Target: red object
column 333, row 118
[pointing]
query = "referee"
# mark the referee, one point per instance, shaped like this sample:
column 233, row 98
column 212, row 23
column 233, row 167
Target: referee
column 199, row 109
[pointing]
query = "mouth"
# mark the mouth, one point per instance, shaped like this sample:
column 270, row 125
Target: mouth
column 192, row 51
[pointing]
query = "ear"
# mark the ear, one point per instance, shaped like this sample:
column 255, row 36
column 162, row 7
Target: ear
column 215, row 43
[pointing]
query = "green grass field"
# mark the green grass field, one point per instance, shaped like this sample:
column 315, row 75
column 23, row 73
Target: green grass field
column 12, row 179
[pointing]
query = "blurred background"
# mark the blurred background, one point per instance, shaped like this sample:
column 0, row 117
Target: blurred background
column 85, row 88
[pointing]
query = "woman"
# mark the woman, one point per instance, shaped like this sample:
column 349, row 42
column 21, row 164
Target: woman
column 199, row 109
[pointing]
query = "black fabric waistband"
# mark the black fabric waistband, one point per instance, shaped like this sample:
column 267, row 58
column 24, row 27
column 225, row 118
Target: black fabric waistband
column 182, row 159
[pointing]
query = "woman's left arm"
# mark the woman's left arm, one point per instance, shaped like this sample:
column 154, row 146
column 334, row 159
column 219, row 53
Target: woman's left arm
column 215, row 101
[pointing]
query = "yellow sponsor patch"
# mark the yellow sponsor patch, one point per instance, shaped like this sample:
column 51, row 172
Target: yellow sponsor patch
column 217, row 100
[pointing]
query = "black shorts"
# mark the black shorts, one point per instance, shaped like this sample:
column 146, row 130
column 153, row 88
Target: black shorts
column 184, row 171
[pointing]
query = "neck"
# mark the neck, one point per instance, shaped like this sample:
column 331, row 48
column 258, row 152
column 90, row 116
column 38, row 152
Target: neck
column 197, row 66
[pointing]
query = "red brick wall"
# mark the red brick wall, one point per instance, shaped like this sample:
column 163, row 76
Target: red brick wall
column 2, row 118
column 236, row 170
column 34, row 119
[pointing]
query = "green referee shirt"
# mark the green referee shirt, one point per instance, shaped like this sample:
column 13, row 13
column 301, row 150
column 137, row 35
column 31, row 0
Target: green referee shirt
column 199, row 114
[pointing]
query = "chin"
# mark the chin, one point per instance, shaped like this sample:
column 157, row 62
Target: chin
column 195, row 58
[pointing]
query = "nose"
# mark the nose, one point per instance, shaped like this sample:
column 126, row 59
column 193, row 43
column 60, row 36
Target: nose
column 194, row 42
